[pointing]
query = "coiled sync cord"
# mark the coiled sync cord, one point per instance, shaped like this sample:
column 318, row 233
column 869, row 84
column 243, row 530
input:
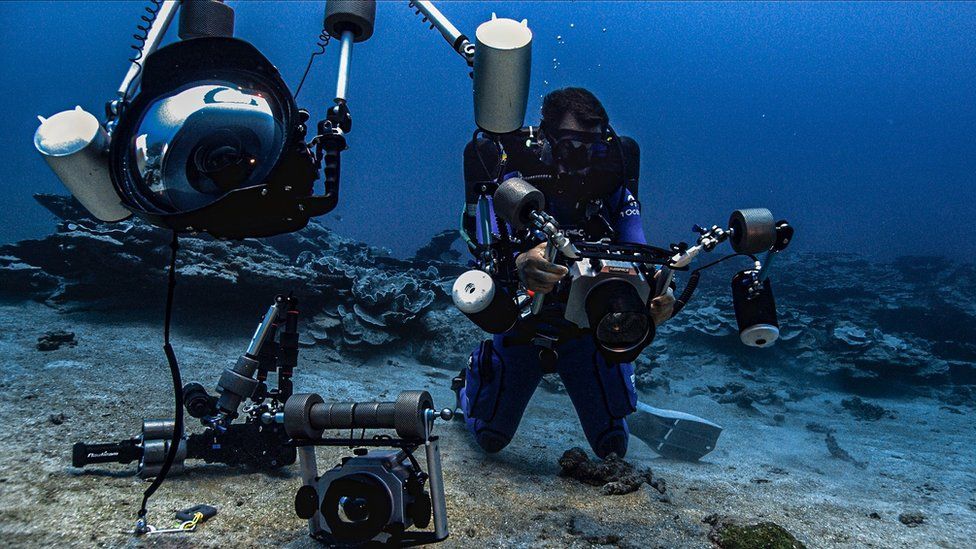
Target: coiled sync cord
column 140, row 37
column 322, row 42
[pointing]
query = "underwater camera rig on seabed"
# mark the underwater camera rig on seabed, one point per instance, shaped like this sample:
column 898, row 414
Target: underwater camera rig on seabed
column 376, row 495
column 611, row 284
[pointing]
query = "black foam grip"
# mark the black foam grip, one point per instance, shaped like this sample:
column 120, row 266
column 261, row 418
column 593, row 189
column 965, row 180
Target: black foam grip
column 357, row 16
column 203, row 18
column 307, row 416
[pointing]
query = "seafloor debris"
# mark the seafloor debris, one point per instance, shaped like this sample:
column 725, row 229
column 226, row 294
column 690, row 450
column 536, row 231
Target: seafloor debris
column 911, row 519
column 743, row 396
column 728, row 533
column 819, row 428
column 865, row 411
column 592, row 531
column 835, row 450
column 52, row 341
column 615, row 475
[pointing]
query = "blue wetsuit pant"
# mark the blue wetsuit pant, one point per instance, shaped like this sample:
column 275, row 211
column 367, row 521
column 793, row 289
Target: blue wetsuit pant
column 501, row 379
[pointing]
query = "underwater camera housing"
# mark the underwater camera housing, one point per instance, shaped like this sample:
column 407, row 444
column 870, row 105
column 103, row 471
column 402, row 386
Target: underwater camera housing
column 213, row 141
column 610, row 298
column 377, row 496
column 611, row 284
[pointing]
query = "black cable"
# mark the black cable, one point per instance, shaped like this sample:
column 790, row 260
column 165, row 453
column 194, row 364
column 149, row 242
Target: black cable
column 686, row 293
column 323, row 41
column 174, row 369
column 717, row 261
column 693, row 282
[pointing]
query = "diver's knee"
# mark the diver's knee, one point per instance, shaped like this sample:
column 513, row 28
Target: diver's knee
column 491, row 441
column 614, row 442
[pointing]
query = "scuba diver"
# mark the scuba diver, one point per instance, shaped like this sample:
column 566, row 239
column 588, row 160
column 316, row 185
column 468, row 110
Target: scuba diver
column 589, row 176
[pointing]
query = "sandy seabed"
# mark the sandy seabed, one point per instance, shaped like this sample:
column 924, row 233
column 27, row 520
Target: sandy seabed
column 769, row 465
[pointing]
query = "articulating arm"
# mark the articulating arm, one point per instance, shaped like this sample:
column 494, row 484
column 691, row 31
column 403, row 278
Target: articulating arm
column 454, row 37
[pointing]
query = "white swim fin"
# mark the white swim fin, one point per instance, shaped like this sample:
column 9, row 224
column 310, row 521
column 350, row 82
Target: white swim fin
column 673, row 434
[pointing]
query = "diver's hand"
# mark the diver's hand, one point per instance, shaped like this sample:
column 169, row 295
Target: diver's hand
column 661, row 307
column 536, row 273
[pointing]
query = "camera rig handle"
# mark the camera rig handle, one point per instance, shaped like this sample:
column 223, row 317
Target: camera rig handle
column 307, row 416
column 256, row 444
column 556, row 243
column 149, row 448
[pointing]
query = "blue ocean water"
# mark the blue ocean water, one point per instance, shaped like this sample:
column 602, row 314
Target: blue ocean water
column 855, row 121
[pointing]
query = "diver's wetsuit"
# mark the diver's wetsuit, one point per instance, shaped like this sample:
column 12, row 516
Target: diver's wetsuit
column 504, row 371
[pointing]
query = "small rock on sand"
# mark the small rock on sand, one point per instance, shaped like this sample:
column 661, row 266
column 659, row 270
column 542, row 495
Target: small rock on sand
column 911, row 519
column 615, row 475
column 728, row 533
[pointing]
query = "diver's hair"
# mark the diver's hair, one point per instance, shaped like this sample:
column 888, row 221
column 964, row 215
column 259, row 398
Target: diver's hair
column 579, row 101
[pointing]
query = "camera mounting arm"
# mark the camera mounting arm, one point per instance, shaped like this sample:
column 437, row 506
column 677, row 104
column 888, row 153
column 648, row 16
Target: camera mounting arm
column 707, row 240
column 556, row 242
column 161, row 21
column 461, row 44
column 784, row 235
column 158, row 20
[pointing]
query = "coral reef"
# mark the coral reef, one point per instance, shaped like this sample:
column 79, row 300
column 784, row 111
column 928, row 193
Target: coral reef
column 874, row 328
column 440, row 248
column 357, row 296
